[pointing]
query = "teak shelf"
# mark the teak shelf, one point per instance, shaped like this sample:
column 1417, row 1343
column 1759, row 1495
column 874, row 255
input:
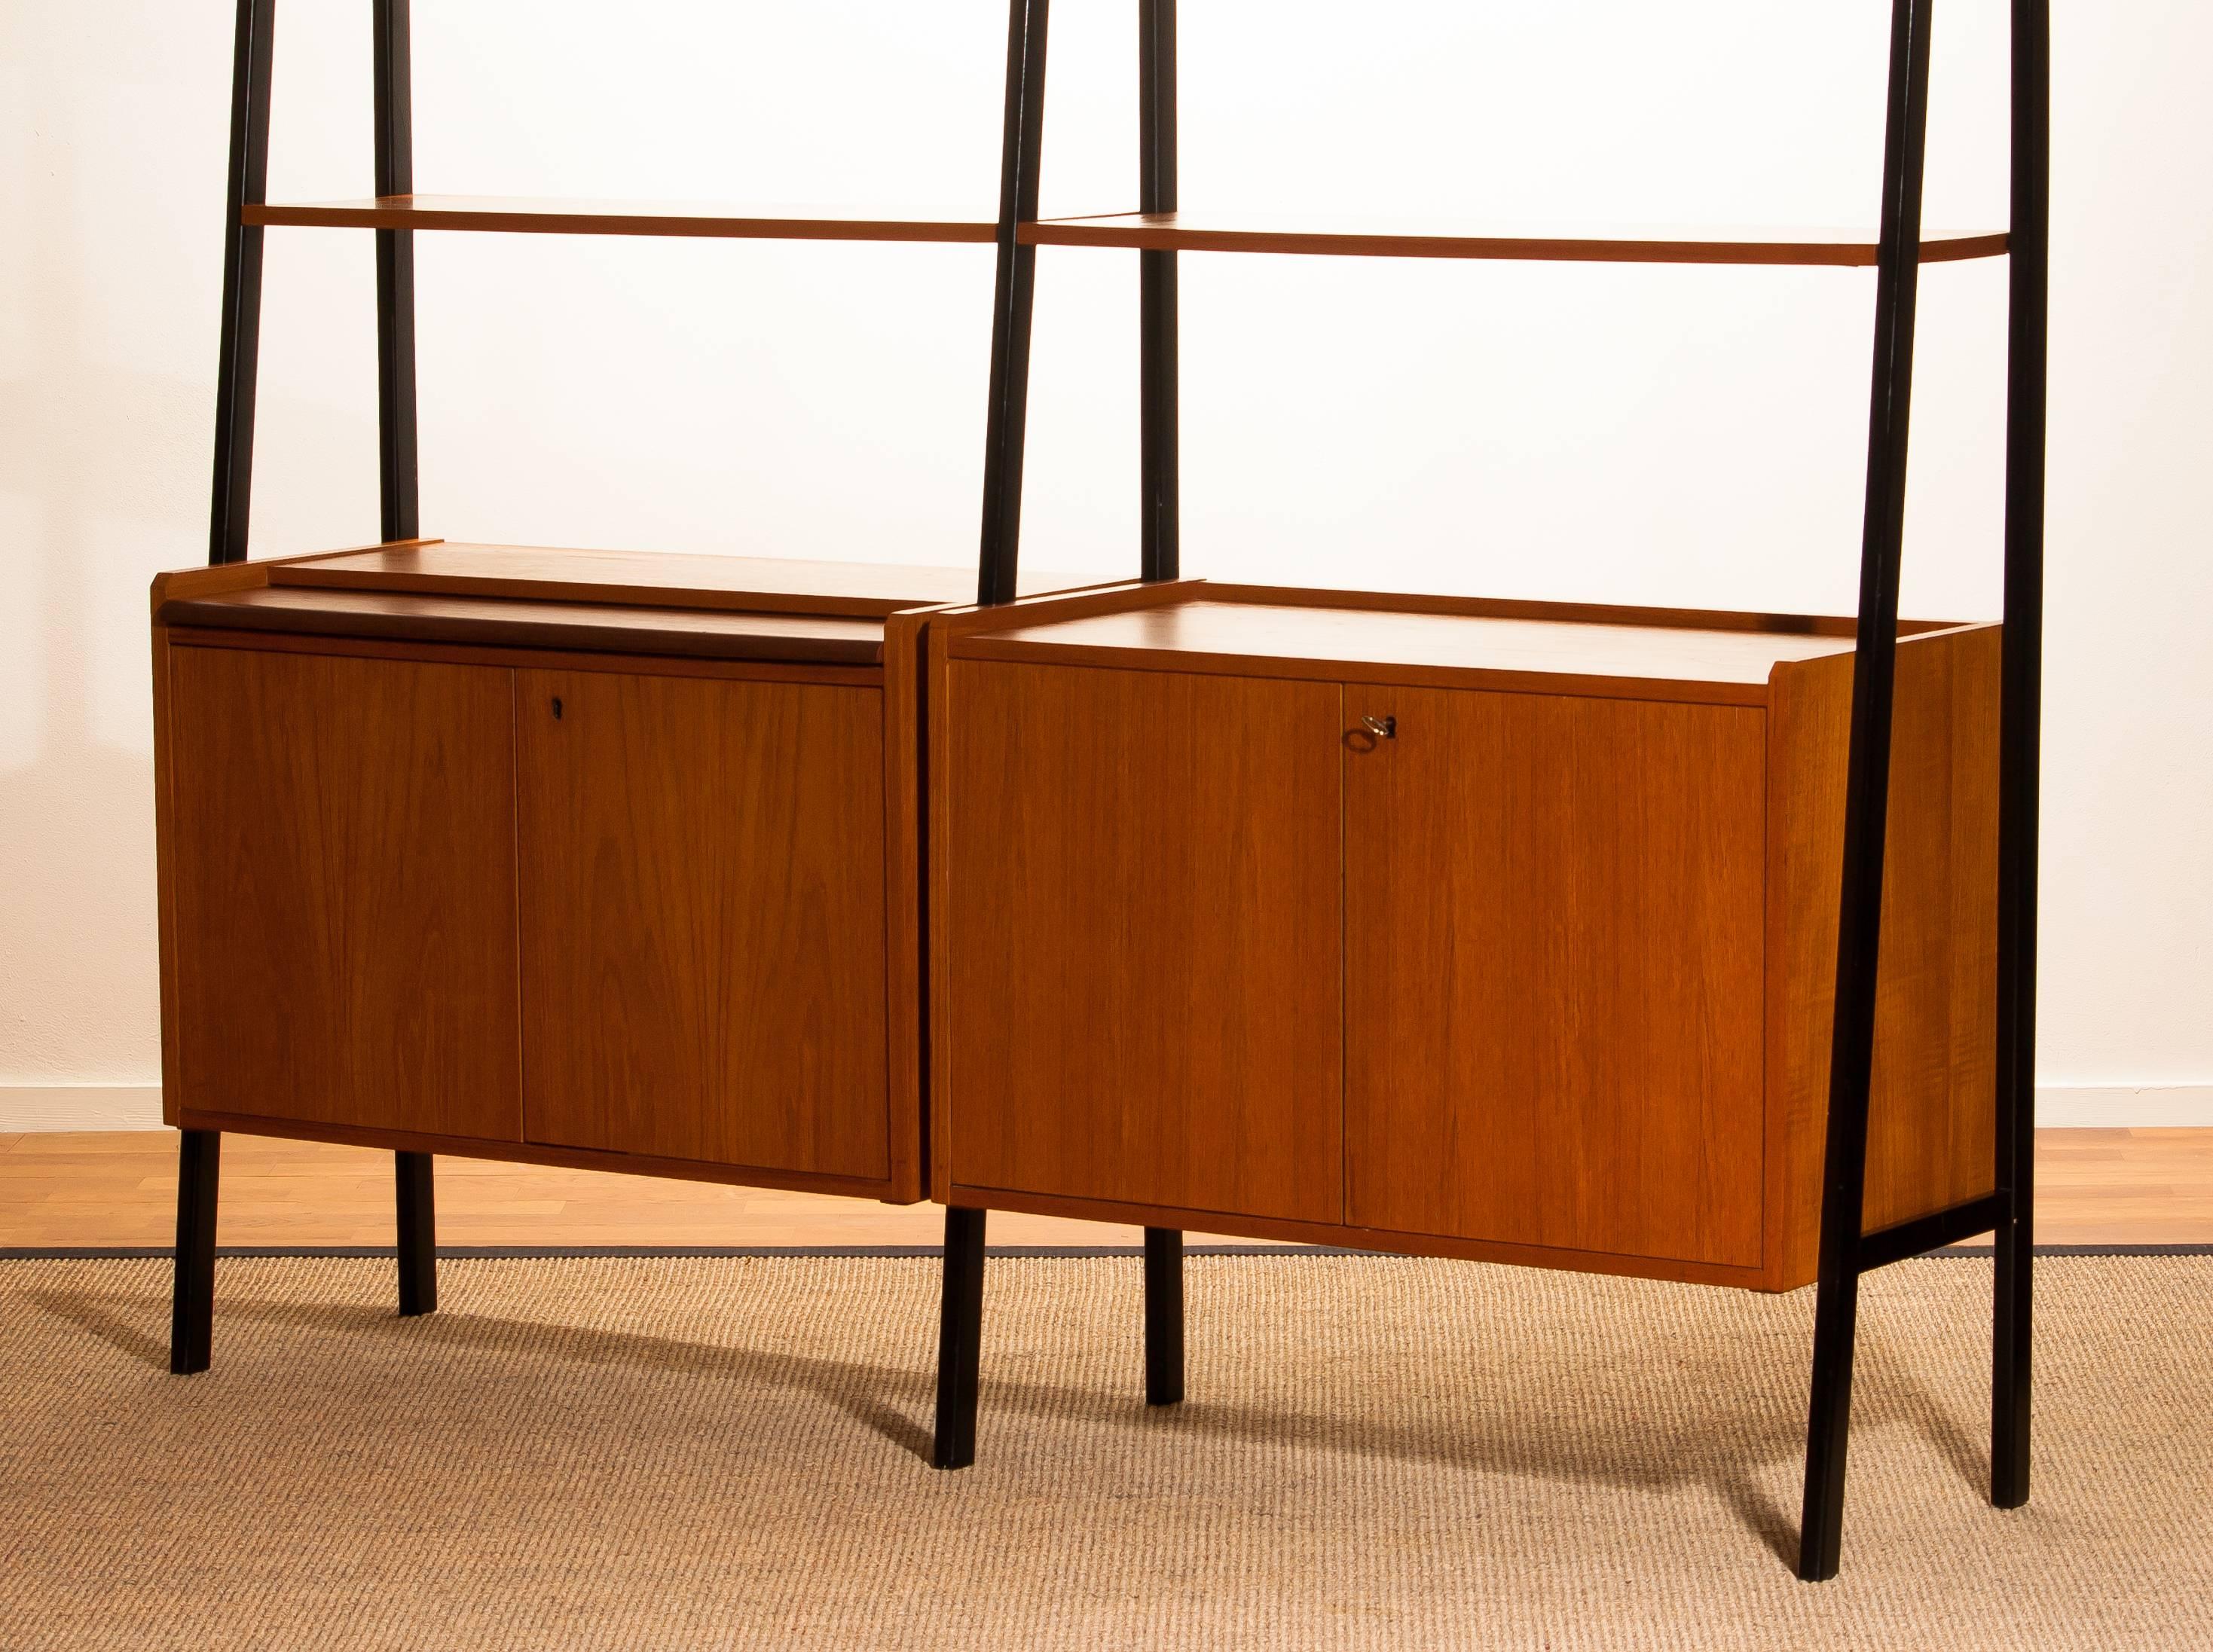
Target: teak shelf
column 515, row 215
column 1214, row 232
column 1696, row 945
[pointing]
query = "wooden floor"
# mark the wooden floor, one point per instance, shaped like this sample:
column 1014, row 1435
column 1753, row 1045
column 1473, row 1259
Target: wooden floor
column 2093, row 1186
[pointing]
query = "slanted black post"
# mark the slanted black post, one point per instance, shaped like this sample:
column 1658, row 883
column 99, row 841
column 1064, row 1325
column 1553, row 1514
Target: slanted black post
column 399, row 513
column 959, row 1339
column 393, row 81
column 191, row 1309
column 1159, row 475
column 241, row 284
column 1021, row 157
column 415, row 1190
column 1163, row 1316
column 2019, row 747
column 1866, row 795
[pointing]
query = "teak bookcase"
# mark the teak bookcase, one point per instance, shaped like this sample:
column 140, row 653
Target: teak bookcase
column 595, row 858
column 1694, row 946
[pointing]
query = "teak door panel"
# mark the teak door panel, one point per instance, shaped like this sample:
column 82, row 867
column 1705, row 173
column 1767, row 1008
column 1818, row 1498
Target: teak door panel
column 703, row 919
column 1143, row 935
column 1554, row 909
column 344, row 885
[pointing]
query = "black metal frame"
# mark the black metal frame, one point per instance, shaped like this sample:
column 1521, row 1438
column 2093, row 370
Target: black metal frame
column 1847, row 1251
column 960, row 1337
column 998, row 563
column 1159, row 479
column 414, row 1189
column 241, row 283
column 1163, row 1316
column 1014, row 291
column 192, row 1308
column 394, row 78
column 229, row 521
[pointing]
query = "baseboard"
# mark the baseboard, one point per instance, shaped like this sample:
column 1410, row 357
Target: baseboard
column 2125, row 1106
column 27, row 1107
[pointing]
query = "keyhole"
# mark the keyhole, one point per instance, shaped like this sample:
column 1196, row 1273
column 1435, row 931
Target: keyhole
column 557, row 708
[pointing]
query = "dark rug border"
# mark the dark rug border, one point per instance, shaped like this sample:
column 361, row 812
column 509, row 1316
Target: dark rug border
column 1072, row 1253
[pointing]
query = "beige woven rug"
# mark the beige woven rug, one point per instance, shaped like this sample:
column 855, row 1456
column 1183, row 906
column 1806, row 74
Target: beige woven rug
column 1377, row 1453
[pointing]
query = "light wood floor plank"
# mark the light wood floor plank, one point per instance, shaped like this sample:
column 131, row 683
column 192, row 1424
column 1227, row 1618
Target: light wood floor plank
column 2094, row 1187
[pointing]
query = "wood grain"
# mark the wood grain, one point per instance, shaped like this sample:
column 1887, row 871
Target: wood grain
column 470, row 654
column 703, row 919
column 497, row 622
column 524, row 215
column 1579, row 613
column 1138, row 925
column 1932, row 1116
column 343, row 864
column 1553, row 969
column 1416, row 648
column 905, row 663
column 551, row 1154
column 1219, row 232
column 644, row 579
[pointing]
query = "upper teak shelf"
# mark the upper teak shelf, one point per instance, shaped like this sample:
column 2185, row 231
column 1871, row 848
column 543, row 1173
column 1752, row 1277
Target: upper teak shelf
column 514, row 215
column 1188, row 232
column 1217, row 232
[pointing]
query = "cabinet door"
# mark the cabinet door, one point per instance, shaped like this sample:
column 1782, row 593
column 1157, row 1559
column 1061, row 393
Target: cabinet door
column 1553, row 935
column 1140, row 937
column 702, row 919
column 342, row 841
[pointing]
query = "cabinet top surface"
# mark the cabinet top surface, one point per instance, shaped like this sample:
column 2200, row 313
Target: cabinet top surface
column 1344, row 640
column 643, row 578
column 400, row 616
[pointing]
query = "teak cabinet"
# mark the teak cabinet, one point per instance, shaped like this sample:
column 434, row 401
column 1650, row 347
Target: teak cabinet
column 1477, row 928
column 581, row 857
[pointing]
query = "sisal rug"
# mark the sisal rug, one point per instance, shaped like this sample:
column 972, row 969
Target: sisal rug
column 1377, row 1453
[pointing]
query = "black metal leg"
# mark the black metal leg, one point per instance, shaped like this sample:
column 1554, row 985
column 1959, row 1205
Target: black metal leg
column 2020, row 747
column 1821, row 1517
column 415, row 1189
column 2009, row 1386
column 1163, row 1316
column 1867, row 795
column 192, row 1317
column 960, row 1339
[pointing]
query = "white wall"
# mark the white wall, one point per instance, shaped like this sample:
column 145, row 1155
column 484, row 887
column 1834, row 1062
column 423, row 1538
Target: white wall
column 1646, row 435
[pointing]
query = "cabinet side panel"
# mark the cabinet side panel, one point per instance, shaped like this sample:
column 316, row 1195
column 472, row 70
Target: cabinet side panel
column 1931, row 1111
column 1554, row 965
column 904, row 637
column 343, row 858
column 703, row 919
column 164, row 885
column 1139, row 973
column 1932, row 1116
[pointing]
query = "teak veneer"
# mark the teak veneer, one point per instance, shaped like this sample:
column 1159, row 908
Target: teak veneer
column 523, row 215
column 1188, row 231
column 466, row 849
column 1475, row 929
